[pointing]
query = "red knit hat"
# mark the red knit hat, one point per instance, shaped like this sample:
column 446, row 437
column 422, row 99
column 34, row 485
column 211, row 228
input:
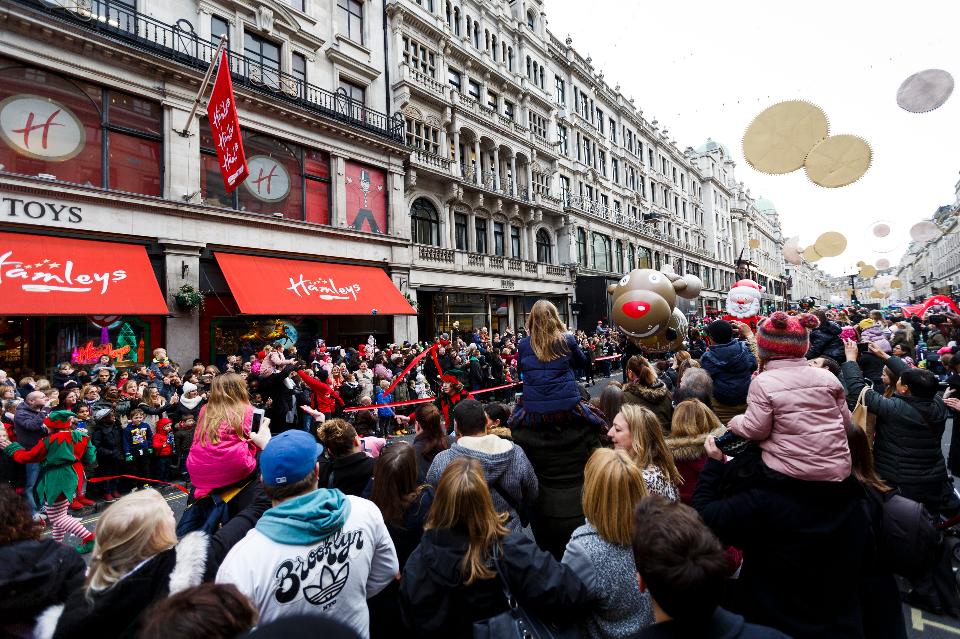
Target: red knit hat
column 781, row 336
column 450, row 379
column 59, row 420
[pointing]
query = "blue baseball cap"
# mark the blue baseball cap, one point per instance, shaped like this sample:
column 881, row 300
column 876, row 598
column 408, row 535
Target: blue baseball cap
column 288, row 458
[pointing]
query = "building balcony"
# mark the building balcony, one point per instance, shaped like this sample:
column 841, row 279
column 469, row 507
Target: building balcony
column 181, row 44
column 493, row 265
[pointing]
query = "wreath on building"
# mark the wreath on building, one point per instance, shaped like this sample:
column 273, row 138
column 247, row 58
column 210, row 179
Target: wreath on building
column 412, row 302
column 188, row 298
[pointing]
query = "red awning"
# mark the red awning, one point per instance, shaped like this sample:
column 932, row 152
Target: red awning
column 272, row 286
column 41, row 275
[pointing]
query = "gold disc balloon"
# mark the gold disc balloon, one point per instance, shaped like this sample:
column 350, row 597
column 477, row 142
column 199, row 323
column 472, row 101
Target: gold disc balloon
column 830, row 244
column 876, row 295
column 754, row 243
column 810, row 254
column 838, row 160
column 896, row 284
column 861, row 263
column 779, row 139
column 867, row 271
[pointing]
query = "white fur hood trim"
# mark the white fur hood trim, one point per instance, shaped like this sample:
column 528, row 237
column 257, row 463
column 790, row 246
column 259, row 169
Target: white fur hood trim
column 489, row 444
column 47, row 622
column 191, row 562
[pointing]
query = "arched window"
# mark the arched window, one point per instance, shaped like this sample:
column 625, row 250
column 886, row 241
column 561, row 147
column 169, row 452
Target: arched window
column 631, row 258
column 424, row 222
column 531, row 20
column 601, row 252
column 544, row 250
column 581, row 247
column 619, row 258
column 456, row 20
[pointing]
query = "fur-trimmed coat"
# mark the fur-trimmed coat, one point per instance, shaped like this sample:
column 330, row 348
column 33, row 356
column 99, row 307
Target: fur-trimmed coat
column 689, row 455
column 657, row 398
column 116, row 611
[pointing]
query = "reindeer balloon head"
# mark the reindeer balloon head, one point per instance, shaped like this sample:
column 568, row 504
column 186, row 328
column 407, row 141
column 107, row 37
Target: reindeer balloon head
column 645, row 300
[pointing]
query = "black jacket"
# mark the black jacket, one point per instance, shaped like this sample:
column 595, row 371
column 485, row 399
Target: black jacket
column 175, row 412
column 907, row 448
column 825, row 342
column 722, row 625
column 108, row 440
column 33, row 576
column 115, row 612
column 805, row 545
column 730, row 366
column 350, row 474
column 435, row 603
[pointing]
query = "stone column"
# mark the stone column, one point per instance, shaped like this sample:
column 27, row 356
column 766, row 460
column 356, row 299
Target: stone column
column 513, row 174
column 496, row 168
column 531, row 243
column 182, row 158
column 398, row 222
column 451, row 227
column 457, row 171
column 524, row 242
column 479, row 167
column 338, row 186
column 530, row 178
column 181, row 262
column 472, row 232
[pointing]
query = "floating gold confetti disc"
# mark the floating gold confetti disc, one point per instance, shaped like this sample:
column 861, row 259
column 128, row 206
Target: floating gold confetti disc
column 830, row 244
column 896, row 284
column 867, row 271
column 810, row 254
column 779, row 139
column 838, row 160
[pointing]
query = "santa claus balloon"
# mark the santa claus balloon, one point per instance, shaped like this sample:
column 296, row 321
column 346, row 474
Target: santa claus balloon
column 743, row 303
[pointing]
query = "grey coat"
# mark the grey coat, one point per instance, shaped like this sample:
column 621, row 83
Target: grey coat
column 610, row 574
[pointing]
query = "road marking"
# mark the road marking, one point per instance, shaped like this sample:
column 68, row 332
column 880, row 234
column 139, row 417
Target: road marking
column 918, row 622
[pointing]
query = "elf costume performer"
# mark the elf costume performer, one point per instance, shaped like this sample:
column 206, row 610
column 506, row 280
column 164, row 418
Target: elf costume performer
column 58, row 455
column 451, row 394
column 743, row 303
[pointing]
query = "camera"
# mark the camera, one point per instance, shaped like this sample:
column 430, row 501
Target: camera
column 730, row 444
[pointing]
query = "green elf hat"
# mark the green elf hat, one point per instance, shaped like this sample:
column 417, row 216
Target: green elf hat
column 59, row 420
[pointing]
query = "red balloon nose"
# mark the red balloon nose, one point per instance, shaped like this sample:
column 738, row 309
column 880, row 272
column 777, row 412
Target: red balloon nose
column 635, row 309
column 740, row 300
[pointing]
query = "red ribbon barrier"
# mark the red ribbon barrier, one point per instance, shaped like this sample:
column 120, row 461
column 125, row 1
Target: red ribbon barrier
column 423, row 400
column 93, row 480
column 403, row 373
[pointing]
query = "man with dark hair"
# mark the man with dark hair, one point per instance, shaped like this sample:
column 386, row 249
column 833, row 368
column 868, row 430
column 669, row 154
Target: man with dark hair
column 316, row 551
column 685, row 569
column 513, row 484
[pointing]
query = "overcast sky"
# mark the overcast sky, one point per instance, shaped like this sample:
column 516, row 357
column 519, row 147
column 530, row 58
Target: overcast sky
column 706, row 69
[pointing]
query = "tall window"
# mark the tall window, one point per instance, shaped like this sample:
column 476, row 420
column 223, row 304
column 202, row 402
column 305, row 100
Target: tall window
column 509, row 109
column 266, row 57
column 353, row 98
column 473, row 88
column 515, row 242
column 455, row 79
column 219, row 27
column 350, row 14
column 531, row 20
column 602, row 162
column 423, row 136
column 619, row 257
column 615, row 170
column 456, row 20
column 600, row 121
column 538, row 124
column 561, row 94
column 613, row 131
column 565, row 190
column 298, row 68
column 419, row 57
column 581, row 247
column 601, row 252
column 425, row 222
column 460, row 230
column 631, row 258
column 563, row 140
column 544, row 249
column 480, row 227
column 498, row 239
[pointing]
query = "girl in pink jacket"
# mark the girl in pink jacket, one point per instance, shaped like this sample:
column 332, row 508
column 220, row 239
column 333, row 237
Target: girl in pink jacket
column 796, row 412
column 274, row 360
column 224, row 450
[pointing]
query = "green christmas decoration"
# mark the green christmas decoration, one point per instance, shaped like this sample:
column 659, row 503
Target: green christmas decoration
column 127, row 338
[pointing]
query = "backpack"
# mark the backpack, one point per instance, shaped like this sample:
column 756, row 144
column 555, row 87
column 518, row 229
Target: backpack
column 908, row 539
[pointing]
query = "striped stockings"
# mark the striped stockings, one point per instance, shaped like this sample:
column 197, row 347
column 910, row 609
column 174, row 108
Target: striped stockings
column 63, row 523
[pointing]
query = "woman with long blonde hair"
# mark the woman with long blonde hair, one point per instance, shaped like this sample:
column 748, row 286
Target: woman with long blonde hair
column 693, row 422
column 137, row 560
column 637, row 431
column 451, row 580
column 601, row 551
column 224, row 450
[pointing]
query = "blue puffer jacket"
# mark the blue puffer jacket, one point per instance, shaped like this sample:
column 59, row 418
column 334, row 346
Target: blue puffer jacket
column 730, row 366
column 550, row 387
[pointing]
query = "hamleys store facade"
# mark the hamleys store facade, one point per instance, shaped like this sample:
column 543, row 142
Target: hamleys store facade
column 108, row 217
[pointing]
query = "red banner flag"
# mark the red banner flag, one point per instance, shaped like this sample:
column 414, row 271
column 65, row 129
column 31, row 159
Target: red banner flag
column 222, row 114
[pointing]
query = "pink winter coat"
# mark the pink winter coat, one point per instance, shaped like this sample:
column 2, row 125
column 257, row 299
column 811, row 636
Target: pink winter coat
column 273, row 362
column 213, row 466
column 797, row 414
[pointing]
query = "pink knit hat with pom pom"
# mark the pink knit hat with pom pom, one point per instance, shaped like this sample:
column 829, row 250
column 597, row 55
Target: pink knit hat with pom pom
column 781, row 336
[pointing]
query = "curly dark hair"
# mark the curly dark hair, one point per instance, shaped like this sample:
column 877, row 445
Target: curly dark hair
column 16, row 524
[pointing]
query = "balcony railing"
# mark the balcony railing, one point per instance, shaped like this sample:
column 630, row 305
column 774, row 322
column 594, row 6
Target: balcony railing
column 429, row 159
column 181, row 44
column 437, row 254
column 483, row 263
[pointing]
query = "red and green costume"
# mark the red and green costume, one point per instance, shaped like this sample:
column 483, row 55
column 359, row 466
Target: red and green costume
column 59, row 454
column 446, row 403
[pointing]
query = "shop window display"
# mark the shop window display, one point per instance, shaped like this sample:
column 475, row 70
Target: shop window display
column 366, row 197
column 60, row 129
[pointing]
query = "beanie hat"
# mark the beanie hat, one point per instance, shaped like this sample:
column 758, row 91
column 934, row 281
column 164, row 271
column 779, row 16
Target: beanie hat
column 103, row 412
column 189, row 387
column 848, row 332
column 781, row 336
column 720, row 331
column 59, row 420
column 288, row 458
column 865, row 324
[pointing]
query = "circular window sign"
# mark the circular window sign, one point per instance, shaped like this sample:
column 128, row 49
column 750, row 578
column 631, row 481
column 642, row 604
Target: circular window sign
column 41, row 128
column 268, row 179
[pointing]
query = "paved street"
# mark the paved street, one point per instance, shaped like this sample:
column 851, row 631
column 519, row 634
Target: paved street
column 919, row 623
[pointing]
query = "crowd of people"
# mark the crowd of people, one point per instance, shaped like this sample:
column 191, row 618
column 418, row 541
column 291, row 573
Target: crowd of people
column 739, row 487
